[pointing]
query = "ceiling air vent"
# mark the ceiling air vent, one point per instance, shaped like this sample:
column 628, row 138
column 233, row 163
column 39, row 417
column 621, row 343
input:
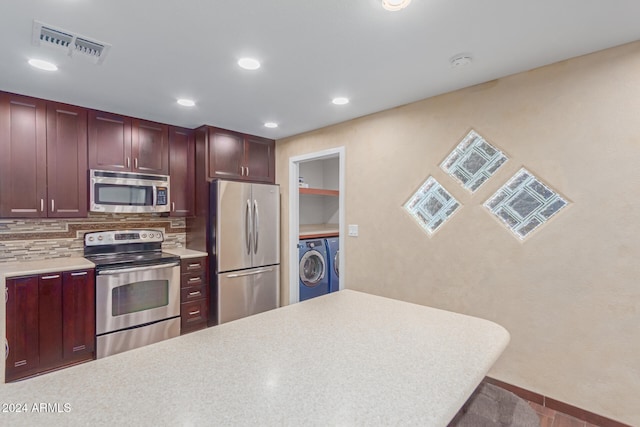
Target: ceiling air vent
column 72, row 44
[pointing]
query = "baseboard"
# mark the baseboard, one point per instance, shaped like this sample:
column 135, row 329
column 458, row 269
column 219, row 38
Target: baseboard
column 556, row 405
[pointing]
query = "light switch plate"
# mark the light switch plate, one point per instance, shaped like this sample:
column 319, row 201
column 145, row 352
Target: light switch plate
column 353, row 230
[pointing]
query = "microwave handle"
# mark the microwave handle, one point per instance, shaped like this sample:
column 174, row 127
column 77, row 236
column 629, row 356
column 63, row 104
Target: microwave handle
column 155, row 196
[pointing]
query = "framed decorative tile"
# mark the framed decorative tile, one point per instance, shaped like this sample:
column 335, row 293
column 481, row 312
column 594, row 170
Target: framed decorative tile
column 473, row 161
column 431, row 206
column 524, row 203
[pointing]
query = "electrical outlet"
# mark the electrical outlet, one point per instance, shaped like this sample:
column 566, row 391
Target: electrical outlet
column 353, row 230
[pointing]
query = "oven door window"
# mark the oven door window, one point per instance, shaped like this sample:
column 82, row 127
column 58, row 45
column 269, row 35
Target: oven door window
column 139, row 296
column 118, row 194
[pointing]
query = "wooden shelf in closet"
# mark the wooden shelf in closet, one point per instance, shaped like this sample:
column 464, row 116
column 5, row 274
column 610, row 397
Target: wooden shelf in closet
column 319, row 191
column 317, row 231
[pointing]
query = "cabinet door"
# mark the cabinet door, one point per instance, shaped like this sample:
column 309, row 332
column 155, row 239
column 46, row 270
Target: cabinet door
column 66, row 161
column 23, row 157
column 181, row 170
column 78, row 313
column 50, row 320
column 109, row 141
column 150, row 147
column 226, row 154
column 22, row 327
column 260, row 159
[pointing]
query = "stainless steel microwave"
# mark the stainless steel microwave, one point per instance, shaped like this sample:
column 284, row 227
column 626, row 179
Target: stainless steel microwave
column 128, row 192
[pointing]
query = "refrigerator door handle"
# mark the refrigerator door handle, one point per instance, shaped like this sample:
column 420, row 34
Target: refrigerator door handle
column 247, row 226
column 256, row 226
column 250, row 273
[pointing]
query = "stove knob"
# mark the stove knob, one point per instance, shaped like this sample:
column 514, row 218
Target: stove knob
column 91, row 238
column 144, row 235
column 99, row 237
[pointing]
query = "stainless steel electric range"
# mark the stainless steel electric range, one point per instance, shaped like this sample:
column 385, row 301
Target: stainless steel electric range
column 137, row 289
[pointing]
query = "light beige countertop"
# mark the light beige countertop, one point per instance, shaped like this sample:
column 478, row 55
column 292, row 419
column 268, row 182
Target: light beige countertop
column 185, row 253
column 346, row 358
column 25, row 268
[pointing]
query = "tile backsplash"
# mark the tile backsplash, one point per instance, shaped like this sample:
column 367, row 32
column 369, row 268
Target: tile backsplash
column 32, row 239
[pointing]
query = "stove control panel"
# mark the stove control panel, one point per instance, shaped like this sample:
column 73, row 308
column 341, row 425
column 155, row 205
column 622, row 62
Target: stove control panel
column 116, row 237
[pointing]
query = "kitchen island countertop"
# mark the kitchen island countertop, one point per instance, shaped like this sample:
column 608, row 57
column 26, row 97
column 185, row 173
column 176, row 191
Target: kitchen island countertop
column 347, row 358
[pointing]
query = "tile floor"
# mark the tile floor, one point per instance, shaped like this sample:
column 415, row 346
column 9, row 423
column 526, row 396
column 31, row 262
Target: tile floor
column 551, row 418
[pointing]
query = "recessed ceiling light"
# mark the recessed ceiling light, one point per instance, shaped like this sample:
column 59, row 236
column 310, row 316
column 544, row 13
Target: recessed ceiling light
column 394, row 5
column 249, row 63
column 271, row 125
column 186, row 102
column 340, row 100
column 42, row 65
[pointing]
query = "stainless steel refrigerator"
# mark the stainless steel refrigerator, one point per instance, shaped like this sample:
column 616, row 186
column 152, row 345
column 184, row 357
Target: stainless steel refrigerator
column 244, row 248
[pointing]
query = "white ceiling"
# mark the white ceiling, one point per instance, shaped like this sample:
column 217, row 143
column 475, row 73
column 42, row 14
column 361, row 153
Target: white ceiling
column 311, row 51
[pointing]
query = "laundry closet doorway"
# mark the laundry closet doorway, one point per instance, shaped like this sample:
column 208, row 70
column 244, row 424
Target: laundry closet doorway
column 316, row 209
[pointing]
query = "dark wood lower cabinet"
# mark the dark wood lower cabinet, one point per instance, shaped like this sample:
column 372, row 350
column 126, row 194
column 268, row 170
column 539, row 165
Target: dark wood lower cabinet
column 23, row 358
column 78, row 315
column 194, row 295
column 50, row 322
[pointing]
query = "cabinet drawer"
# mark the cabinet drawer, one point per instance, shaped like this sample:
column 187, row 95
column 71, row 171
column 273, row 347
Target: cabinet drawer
column 193, row 315
column 193, row 279
column 193, row 265
column 193, row 293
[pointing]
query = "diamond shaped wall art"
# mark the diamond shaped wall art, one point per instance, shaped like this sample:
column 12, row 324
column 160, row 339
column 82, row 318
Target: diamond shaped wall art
column 432, row 205
column 524, row 203
column 473, row 161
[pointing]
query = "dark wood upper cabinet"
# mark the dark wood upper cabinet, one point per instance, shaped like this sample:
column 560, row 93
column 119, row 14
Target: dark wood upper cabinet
column 260, row 159
column 181, row 170
column 23, row 157
column 109, row 141
column 123, row 144
column 150, row 147
column 233, row 155
column 66, row 161
column 226, row 154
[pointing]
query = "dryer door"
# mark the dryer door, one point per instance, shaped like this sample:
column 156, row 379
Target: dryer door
column 312, row 268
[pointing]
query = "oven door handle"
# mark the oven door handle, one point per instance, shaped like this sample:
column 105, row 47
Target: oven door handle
column 135, row 269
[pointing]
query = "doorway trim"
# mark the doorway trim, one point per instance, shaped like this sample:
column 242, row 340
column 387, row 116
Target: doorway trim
column 294, row 215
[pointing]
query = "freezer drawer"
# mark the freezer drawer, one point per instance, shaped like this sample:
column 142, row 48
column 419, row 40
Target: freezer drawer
column 246, row 292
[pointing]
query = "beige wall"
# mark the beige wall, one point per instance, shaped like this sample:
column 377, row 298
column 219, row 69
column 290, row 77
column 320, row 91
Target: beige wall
column 570, row 294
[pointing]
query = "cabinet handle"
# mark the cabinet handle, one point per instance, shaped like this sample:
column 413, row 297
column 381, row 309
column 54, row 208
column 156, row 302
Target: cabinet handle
column 55, row 276
column 173, row 206
column 242, row 170
column 194, row 265
column 41, row 205
column 247, row 170
column 81, row 273
column 194, row 293
column 194, row 279
column 135, row 163
column 128, row 163
column 53, row 205
column 193, row 313
column 20, row 363
column 79, row 348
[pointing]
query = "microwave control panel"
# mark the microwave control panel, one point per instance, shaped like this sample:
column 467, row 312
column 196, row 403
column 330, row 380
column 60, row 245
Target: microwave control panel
column 162, row 196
